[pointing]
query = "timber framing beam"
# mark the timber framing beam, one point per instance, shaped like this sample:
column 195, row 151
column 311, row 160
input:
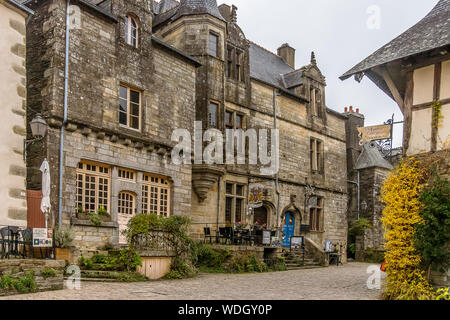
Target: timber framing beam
column 384, row 73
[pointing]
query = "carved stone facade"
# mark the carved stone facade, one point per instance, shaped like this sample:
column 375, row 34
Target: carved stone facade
column 192, row 62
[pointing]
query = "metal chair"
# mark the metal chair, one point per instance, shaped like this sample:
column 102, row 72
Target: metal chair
column 27, row 241
column 248, row 237
column 7, row 241
column 207, row 232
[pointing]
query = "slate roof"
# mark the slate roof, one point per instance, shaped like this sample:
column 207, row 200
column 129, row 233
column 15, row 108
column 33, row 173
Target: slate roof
column 430, row 33
column 293, row 79
column 188, row 7
column 371, row 157
column 267, row 66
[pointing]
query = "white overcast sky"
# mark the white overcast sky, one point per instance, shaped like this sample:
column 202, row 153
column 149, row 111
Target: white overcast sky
column 338, row 33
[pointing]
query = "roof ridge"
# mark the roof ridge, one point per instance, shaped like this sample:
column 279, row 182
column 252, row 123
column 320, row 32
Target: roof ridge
column 299, row 69
column 259, row 46
column 177, row 6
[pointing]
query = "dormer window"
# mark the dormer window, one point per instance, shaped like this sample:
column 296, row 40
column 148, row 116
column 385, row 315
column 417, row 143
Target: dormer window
column 131, row 31
column 316, row 102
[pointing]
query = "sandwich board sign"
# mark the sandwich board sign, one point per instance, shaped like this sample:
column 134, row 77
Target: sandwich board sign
column 297, row 242
column 266, row 240
column 42, row 238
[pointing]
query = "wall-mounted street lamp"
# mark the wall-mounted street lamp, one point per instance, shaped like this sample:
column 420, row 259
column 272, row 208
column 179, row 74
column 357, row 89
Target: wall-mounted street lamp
column 38, row 131
column 364, row 205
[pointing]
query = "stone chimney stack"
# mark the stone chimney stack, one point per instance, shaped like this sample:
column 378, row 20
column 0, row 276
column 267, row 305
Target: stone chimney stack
column 288, row 54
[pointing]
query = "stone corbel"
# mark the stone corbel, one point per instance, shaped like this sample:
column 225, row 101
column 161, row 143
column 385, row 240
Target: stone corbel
column 204, row 178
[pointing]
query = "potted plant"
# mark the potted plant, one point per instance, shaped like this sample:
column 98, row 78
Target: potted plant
column 63, row 240
column 104, row 215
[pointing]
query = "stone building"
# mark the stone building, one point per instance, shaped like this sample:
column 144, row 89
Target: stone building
column 140, row 69
column 414, row 70
column 13, row 206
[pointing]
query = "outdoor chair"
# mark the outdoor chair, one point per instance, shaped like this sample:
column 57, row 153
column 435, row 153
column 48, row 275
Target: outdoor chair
column 7, row 237
column 248, row 238
column 26, row 242
column 208, row 235
column 237, row 237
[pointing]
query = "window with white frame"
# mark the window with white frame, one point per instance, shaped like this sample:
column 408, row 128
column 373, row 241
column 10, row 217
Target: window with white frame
column 129, row 107
column 93, row 186
column 131, row 31
column 155, row 195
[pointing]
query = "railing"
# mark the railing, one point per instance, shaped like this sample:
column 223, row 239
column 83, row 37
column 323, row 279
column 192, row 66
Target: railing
column 155, row 240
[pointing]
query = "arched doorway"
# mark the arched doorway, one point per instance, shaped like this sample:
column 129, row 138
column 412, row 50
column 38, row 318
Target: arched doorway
column 260, row 216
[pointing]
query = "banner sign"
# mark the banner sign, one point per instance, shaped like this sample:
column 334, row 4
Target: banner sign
column 256, row 196
column 368, row 134
column 42, row 238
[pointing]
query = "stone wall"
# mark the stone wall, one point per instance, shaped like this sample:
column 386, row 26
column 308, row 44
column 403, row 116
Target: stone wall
column 18, row 269
column 101, row 61
column 13, row 206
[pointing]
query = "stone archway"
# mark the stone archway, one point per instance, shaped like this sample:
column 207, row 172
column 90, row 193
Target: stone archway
column 261, row 215
column 298, row 217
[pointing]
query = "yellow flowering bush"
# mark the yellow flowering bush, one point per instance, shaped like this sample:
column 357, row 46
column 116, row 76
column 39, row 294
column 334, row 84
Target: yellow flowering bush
column 401, row 194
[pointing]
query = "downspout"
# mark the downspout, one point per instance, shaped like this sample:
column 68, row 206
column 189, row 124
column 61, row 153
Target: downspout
column 277, row 190
column 66, row 90
column 359, row 194
column 218, row 204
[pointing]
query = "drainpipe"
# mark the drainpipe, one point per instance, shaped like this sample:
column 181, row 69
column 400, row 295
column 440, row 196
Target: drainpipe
column 66, row 90
column 218, row 204
column 358, row 185
column 277, row 190
column 359, row 194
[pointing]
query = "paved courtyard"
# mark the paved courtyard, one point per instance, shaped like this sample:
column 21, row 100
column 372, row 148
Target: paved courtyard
column 333, row 283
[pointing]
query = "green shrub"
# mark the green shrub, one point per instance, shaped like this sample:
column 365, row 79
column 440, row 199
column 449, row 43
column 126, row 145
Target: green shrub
column 125, row 260
column 95, row 219
column 212, row 260
column 433, row 234
column 102, row 212
column 6, row 282
column 64, row 237
column 129, row 259
column 246, row 263
column 49, row 273
column 85, row 263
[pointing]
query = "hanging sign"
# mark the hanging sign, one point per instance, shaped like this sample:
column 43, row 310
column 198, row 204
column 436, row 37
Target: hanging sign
column 42, row 238
column 256, row 191
column 368, row 134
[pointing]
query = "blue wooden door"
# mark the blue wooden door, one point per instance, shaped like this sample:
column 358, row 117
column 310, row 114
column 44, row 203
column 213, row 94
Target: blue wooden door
column 288, row 229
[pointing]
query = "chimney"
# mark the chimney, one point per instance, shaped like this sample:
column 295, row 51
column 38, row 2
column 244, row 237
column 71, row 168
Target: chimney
column 225, row 11
column 288, row 54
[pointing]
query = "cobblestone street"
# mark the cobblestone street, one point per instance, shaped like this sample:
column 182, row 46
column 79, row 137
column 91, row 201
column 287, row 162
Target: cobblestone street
column 332, row 283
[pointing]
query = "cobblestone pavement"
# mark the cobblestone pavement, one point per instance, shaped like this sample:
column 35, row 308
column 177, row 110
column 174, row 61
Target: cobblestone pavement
column 332, row 283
